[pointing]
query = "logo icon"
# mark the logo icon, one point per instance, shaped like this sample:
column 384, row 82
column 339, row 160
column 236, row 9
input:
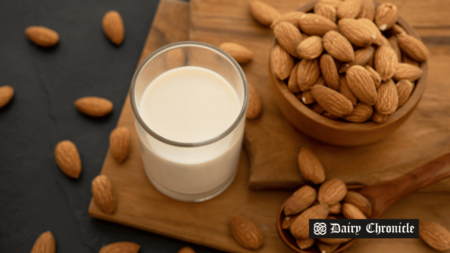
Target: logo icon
column 320, row 228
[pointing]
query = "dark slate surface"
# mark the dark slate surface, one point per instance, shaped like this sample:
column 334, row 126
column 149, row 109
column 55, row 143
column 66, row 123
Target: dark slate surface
column 35, row 195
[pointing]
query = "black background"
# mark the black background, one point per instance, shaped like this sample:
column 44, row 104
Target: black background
column 35, row 195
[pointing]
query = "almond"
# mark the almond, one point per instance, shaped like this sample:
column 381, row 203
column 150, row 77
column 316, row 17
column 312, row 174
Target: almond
column 344, row 90
column 358, row 33
column 292, row 82
column 332, row 101
column 375, row 76
column 394, row 45
column 359, row 201
column 386, row 16
column 330, row 116
column 404, row 90
column 305, row 243
column 385, row 42
column 307, row 98
column 310, row 166
column 68, row 159
column 386, row 62
column 378, row 39
column 314, row 24
column 325, row 10
column 334, row 240
column 186, row 250
column 310, row 48
column 349, row 9
column 288, row 36
column 254, row 108
column 317, row 108
column 378, row 117
column 121, row 247
column 287, row 222
column 413, row 47
column 113, row 27
column 307, row 74
column 338, row 46
column 329, row 71
column 300, row 200
column 407, row 59
column 367, row 9
column 45, row 243
column 362, row 56
column 334, row 3
column 326, row 248
column 175, row 58
column 119, row 142
column 361, row 113
column 42, row 36
column 361, row 84
column 352, row 212
column 263, row 13
column 335, row 208
column 408, row 72
column 435, row 235
column 240, row 53
column 94, row 106
column 396, row 29
column 282, row 62
column 332, row 191
column 299, row 228
column 387, row 101
column 320, row 81
column 103, row 194
column 6, row 94
column 246, row 233
column 291, row 17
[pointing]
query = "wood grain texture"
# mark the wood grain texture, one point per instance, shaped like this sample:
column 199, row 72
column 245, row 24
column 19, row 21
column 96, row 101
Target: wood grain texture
column 273, row 144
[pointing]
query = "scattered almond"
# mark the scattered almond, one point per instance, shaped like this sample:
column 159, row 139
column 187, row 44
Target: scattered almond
column 367, row 9
column 352, row 212
column 103, row 194
column 386, row 16
column 113, row 27
column 240, row 53
column 435, row 235
column 300, row 227
column 314, row 24
column 305, row 243
column 288, row 36
column 254, row 107
column 408, row 72
column 6, row 94
column 361, row 113
column 246, row 233
column 404, row 90
column 310, row 48
column 94, row 106
column 375, row 76
column 338, row 46
column 387, row 101
column 326, row 248
column 121, row 247
column 413, row 47
column 358, row 33
column 291, row 17
column 378, row 117
column 386, row 62
column 345, row 90
column 45, row 243
column 310, row 166
column 361, row 84
column 186, row 250
column 263, row 13
column 332, row 191
column 349, row 9
column 68, row 159
column 300, row 200
column 359, row 201
column 119, row 142
column 42, row 36
column 329, row 71
column 307, row 74
column 332, row 101
column 325, row 10
column 282, row 62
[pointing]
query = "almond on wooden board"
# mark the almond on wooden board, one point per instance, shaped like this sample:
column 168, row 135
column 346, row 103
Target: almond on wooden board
column 314, row 24
column 362, row 56
column 361, row 113
column 288, row 36
column 305, row 243
column 307, row 74
column 345, row 90
column 45, row 243
column 292, row 82
column 310, row 166
column 300, row 200
column 246, row 233
column 335, row 208
column 326, row 248
column 378, row 117
column 282, row 62
column 300, row 227
column 332, row 101
column 42, row 36
column 404, row 90
column 361, row 84
column 6, row 94
column 394, row 44
column 349, row 9
column 352, row 212
column 310, row 48
column 408, row 72
column 240, row 53
column 329, row 71
column 94, row 106
column 254, row 107
column 332, row 191
column 292, row 17
column 378, row 39
column 413, row 47
column 113, row 27
column 435, row 235
column 338, row 46
column 387, row 101
column 385, row 62
column 386, row 16
column 119, row 142
column 121, row 247
column 358, row 33
column 68, row 159
column 359, row 201
column 325, row 10
column 263, row 13
column 103, row 194
column 186, row 250
column 374, row 74
column 367, row 9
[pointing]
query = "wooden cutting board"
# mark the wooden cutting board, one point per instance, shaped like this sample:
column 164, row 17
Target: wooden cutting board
column 273, row 143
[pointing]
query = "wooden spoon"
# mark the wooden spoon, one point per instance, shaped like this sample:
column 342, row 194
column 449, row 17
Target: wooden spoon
column 384, row 194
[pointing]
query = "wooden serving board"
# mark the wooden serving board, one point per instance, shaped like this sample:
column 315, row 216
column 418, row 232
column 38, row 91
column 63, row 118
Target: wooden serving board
column 141, row 206
column 273, row 143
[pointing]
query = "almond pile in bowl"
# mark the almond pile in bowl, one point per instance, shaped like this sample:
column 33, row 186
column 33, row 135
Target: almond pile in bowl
column 348, row 60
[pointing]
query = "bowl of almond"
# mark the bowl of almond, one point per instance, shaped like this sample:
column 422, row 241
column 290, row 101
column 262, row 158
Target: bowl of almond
column 347, row 73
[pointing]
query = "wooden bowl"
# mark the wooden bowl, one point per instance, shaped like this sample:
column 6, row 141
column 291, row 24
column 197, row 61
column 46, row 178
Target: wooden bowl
column 338, row 132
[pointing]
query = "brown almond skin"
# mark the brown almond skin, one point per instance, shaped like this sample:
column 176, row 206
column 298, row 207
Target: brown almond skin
column 352, row 212
column 413, row 47
column 120, row 142
column 349, row 9
column 325, row 10
column 361, row 84
column 409, row 60
column 434, row 235
column 300, row 200
column 42, row 36
column 103, row 194
column 387, row 101
column 334, row 3
column 288, row 221
column 307, row 98
column 299, row 228
column 310, row 48
column 263, row 13
column 246, row 233
column 314, row 24
column 374, row 30
column 367, row 9
column 6, row 94
column 359, row 201
column 385, row 62
column 288, row 36
column 186, row 250
column 362, row 56
column 94, row 106
column 358, row 33
column 310, row 166
column 326, row 248
column 332, row 191
column 45, row 243
column 396, row 29
column 338, row 46
column 378, row 117
column 122, row 247
column 408, row 72
column 292, row 82
column 361, row 113
column 291, row 17
column 68, row 159
column 113, row 27
column 374, row 74
column 329, row 71
column 345, row 90
column 254, row 108
column 305, row 243
column 404, row 90
column 240, row 53
column 282, row 62
column 307, row 74
column 394, row 45
column 386, row 16
column 335, row 208
column 332, row 101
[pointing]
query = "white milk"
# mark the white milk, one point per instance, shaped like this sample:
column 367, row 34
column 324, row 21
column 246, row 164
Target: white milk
column 191, row 104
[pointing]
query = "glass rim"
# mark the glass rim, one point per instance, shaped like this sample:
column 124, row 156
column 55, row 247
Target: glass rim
column 155, row 53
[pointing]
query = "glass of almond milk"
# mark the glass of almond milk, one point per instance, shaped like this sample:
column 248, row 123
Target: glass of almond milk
column 189, row 101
